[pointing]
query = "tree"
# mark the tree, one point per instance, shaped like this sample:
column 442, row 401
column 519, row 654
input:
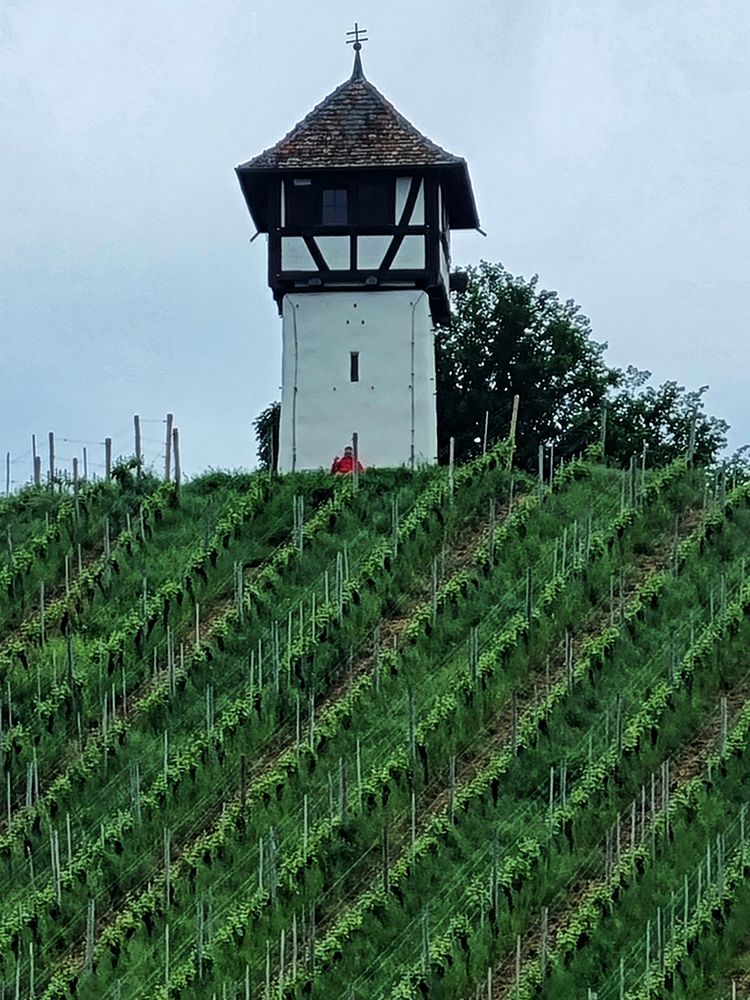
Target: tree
column 508, row 337
column 266, row 426
column 668, row 421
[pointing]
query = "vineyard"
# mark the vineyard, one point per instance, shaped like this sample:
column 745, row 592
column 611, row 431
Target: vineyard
column 454, row 733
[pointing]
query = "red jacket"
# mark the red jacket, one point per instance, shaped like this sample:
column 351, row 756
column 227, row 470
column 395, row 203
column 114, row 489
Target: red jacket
column 345, row 466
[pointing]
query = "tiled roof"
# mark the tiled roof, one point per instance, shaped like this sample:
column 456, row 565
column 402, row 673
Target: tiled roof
column 355, row 126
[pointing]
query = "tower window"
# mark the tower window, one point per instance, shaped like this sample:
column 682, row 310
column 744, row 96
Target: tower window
column 376, row 203
column 300, row 203
column 335, row 211
column 354, row 366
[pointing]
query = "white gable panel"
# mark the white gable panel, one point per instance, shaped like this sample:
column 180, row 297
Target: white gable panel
column 417, row 216
column 411, row 254
column 335, row 250
column 402, row 189
column 295, row 256
column 370, row 251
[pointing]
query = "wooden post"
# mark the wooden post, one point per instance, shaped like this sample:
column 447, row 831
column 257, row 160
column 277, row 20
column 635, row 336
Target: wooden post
column 51, row 459
column 168, row 448
column 691, row 442
column 85, row 464
column 37, row 470
column 75, row 472
column 138, row 452
column 486, row 429
column 513, row 425
column 7, row 474
column 34, row 458
column 386, row 860
column 541, row 469
column 108, row 459
column 177, row 465
column 355, row 448
column 451, row 462
column 545, row 934
column 603, row 436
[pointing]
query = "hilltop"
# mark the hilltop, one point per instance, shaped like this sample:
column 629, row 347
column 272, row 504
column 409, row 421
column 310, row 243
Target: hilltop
column 445, row 733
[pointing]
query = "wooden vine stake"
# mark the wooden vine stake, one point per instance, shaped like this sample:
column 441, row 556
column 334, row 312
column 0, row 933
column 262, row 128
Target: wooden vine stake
column 512, row 435
column 90, row 921
column 51, row 459
column 425, row 941
column 541, row 470
column 386, row 859
column 138, row 449
column 544, row 941
column 168, row 449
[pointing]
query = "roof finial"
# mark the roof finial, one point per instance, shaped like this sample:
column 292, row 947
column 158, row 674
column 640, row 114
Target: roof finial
column 359, row 37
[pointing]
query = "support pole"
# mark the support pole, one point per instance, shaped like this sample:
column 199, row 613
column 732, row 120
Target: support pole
column 513, row 426
column 138, row 452
column 51, row 458
column 177, row 465
column 168, row 448
column 355, row 449
column 108, row 459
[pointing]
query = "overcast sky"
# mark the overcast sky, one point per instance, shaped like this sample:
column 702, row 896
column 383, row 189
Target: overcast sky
column 608, row 142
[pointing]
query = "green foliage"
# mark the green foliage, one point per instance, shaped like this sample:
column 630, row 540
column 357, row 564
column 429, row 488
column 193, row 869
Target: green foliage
column 664, row 420
column 266, row 426
column 508, row 336
column 261, row 678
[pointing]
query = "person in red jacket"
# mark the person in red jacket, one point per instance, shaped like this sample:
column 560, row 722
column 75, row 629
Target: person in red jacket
column 345, row 466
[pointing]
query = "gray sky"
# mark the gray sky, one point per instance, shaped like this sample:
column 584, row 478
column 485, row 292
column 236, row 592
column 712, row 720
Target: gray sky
column 608, row 143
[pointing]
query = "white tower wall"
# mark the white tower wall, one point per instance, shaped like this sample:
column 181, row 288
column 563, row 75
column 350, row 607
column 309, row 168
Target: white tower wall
column 391, row 407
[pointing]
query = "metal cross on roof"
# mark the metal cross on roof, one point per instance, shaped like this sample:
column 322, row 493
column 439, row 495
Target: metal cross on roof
column 360, row 35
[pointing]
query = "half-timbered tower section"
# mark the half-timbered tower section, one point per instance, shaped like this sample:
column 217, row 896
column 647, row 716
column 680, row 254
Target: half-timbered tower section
column 358, row 207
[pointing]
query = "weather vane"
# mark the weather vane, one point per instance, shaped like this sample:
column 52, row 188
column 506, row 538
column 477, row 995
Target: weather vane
column 360, row 35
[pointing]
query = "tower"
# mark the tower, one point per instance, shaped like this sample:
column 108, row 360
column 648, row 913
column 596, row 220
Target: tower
column 358, row 207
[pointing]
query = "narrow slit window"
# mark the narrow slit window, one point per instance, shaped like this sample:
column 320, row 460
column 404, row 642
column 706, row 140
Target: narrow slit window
column 354, row 366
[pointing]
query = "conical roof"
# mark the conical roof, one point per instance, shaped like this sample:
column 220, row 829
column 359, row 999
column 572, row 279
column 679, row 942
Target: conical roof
column 354, row 126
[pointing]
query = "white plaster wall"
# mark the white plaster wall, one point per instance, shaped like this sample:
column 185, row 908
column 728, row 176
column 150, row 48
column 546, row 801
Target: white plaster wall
column 336, row 251
column 417, row 215
column 444, row 267
column 411, row 254
column 370, row 251
column 295, row 256
column 402, row 190
column 321, row 407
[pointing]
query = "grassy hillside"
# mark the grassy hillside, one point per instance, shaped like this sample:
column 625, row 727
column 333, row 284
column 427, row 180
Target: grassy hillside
column 427, row 735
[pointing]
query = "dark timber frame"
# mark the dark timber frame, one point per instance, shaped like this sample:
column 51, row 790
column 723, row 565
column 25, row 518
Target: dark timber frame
column 428, row 278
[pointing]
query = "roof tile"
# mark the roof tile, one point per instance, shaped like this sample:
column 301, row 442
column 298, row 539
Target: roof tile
column 354, row 126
